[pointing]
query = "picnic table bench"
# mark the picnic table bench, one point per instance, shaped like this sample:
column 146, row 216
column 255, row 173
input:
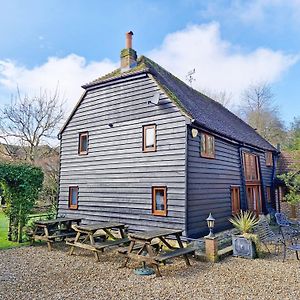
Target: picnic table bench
column 86, row 234
column 50, row 230
column 141, row 248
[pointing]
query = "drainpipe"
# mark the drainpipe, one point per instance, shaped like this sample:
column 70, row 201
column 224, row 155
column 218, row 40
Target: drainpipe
column 244, row 204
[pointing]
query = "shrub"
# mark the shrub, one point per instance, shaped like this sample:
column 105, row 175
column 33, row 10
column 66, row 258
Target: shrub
column 244, row 222
column 21, row 184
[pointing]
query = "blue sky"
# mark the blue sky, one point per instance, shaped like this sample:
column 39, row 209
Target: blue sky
column 231, row 44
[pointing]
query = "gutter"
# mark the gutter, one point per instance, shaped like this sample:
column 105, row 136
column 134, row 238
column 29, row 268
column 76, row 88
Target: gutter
column 228, row 139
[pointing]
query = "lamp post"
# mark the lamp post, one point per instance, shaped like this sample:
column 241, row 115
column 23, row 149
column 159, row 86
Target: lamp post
column 210, row 224
column 211, row 241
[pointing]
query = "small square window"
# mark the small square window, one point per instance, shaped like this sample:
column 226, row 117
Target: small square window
column 235, row 200
column 207, row 145
column 83, row 143
column 269, row 159
column 73, row 197
column 149, row 138
column 159, row 201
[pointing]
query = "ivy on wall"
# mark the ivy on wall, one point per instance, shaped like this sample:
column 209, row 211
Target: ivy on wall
column 21, row 184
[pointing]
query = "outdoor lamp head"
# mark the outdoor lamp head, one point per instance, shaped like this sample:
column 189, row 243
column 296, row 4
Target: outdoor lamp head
column 210, row 221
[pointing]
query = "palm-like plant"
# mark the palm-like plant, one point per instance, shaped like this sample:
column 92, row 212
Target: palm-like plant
column 244, row 221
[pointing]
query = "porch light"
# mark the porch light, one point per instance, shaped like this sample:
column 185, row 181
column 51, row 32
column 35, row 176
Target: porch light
column 210, row 224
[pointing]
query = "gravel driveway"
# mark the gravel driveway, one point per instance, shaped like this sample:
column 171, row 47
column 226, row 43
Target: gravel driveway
column 34, row 273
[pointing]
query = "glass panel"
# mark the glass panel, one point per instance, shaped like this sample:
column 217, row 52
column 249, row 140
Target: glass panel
column 159, row 200
column 73, row 196
column 150, row 137
column 210, row 145
column 84, row 143
column 203, row 144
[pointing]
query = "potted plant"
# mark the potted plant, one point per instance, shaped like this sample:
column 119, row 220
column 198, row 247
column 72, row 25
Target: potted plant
column 244, row 244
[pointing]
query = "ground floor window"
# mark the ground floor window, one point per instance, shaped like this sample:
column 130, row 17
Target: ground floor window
column 159, row 201
column 235, row 200
column 73, row 197
column 254, row 198
column 268, row 192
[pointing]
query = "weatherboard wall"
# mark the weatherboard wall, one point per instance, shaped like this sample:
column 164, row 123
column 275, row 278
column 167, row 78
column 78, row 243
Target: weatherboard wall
column 116, row 177
column 209, row 184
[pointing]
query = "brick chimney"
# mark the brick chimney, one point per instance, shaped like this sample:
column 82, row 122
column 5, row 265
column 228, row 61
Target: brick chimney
column 128, row 55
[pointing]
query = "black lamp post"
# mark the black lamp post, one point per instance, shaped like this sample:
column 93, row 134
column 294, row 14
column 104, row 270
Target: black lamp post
column 210, row 224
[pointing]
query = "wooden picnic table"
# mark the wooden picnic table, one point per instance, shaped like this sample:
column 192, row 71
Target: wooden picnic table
column 50, row 230
column 85, row 237
column 142, row 244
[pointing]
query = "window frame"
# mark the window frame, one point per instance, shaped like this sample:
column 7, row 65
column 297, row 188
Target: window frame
column 204, row 152
column 247, row 170
column 268, row 194
column 269, row 158
column 71, row 188
column 155, row 212
column 145, row 148
column 81, row 135
column 235, row 209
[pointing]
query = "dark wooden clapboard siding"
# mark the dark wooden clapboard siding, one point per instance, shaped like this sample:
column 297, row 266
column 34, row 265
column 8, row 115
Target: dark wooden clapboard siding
column 209, row 182
column 116, row 177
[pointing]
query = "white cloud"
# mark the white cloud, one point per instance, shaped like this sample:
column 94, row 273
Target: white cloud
column 69, row 73
column 219, row 65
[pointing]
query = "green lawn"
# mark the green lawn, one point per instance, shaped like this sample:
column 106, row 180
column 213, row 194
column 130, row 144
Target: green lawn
column 4, row 243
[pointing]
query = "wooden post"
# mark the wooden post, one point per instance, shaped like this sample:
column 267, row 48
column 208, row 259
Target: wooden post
column 211, row 248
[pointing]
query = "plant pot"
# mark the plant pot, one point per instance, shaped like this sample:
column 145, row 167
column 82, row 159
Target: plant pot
column 243, row 247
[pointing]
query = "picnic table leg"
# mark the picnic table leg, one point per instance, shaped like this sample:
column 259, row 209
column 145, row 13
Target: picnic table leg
column 181, row 246
column 48, row 241
column 129, row 251
column 93, row 243
column 122, row 233
column 75, row 241
column 166, row 243
column 152, row 254
column 32, row 240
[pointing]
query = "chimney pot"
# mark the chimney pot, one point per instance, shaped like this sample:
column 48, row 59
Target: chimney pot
column 129, row 40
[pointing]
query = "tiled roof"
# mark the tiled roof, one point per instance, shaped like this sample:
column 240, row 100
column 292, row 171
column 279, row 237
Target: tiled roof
column 287, row 161
column 207, row 113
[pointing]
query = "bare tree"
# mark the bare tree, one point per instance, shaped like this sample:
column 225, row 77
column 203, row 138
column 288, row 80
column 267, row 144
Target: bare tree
column 258, row 109
column 222, row 97
column 29, row 122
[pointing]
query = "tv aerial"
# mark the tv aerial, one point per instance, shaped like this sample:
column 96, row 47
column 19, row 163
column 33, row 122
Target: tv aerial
column 190, row 78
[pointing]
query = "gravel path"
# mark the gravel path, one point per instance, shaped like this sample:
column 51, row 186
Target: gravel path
column 35, row 273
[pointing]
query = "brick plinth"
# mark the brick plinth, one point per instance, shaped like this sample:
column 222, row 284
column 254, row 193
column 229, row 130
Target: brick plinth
column 211, row 248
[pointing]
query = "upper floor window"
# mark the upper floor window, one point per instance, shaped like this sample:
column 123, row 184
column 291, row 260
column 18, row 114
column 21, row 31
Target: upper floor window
column 73, row 197
column 269, row 159
column 251, row 167
column 235, row 200
column 83, row 143
column 207, row 145
column 149, row 138
column 159, row 201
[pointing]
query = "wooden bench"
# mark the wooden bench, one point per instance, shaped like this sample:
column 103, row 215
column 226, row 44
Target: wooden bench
column 175, row 253
column 97, row 246
column 137, row 247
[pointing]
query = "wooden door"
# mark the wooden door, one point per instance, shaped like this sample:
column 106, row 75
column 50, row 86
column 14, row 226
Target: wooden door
column 253, row 183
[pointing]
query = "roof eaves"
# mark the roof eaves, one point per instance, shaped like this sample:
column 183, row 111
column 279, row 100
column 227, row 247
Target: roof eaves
column 119, row 76
column 71, row 114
